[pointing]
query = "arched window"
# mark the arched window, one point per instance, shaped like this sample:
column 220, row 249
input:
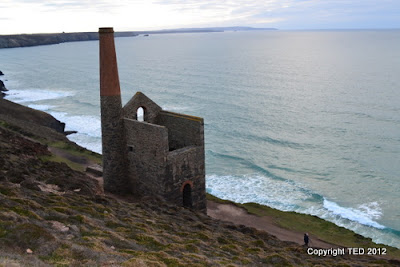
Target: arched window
column 187, row 196
column 140, row 114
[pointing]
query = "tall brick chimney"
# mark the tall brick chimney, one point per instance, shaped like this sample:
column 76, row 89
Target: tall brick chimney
column 112, row 128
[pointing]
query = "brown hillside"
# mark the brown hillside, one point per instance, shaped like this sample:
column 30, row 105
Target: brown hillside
column 51, row 214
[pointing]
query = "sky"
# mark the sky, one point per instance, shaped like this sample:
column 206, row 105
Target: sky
column 35, row 16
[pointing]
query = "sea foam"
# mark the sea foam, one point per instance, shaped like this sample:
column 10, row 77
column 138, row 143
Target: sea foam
column 257, row 188
column 290, row 196
column 88, row 129
column 41, row 107
column 33, row 95
column 364, row 214
column 89, row 125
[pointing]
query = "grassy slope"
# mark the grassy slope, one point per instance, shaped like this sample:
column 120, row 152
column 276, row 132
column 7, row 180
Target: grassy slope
column 76, row 227
column 324, row 230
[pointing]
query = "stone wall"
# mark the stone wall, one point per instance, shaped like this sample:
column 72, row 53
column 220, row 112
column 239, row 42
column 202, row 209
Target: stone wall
column 186, row 166
column 151, row 109
column 113, row 145
column 183, row 130
column 147, row 146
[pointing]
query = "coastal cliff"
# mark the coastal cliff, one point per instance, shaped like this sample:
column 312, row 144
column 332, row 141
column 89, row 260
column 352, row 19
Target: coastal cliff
column 23, row 40
column 53, row 212
column 28, row 118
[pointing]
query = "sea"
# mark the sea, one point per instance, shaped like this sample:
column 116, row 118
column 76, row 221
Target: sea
column 304, row 121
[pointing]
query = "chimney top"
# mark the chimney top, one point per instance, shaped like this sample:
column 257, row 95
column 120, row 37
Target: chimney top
column 106, row 30
column 109, row 81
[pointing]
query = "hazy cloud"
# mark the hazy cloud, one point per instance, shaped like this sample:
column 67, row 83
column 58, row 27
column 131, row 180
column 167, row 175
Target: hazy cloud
column 84, row 15
column 86, row 4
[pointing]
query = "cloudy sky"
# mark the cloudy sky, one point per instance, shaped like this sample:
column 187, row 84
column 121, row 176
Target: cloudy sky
column 34, row 16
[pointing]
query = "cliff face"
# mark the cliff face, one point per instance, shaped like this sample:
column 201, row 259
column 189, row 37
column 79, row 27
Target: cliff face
column 22, row 40
column 27, row 118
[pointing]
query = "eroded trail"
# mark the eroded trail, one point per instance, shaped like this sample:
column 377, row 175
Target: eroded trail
column 237, row 215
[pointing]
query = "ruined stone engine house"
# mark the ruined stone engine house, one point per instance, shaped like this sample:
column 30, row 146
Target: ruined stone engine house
column 161, row 156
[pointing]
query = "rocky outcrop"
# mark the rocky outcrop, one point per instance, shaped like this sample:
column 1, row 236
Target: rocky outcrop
column 25, row 117
column 2, row 88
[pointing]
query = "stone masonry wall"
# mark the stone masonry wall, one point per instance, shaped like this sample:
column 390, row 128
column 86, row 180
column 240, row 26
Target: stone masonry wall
column 147, row 146
column 183, row 130
column 151, row 109
column 186, row 165
column 114, row 148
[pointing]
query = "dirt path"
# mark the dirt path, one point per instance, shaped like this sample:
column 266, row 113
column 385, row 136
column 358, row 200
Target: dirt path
column 236, row 215
column 77, row 159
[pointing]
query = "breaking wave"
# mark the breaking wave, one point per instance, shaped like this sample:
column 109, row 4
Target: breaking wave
column 287, row 195
column 33, row 95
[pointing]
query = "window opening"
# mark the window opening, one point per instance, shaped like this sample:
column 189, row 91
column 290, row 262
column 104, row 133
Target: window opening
column 140, row 114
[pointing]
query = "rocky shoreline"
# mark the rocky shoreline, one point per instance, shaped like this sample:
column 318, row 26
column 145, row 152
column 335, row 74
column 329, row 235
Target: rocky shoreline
column 2, row 87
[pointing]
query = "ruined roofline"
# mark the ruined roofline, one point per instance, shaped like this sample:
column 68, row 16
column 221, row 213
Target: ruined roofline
column 133, row 104
column 139, row 94
column 183, row 116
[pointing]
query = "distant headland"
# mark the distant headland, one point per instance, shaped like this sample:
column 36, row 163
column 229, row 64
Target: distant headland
column 24, row 40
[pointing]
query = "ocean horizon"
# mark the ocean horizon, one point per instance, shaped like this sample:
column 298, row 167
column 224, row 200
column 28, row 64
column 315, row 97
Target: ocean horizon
column 304, row 121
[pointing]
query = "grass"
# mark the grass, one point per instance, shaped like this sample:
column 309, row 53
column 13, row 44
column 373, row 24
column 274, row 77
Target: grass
column 149, row 242
column 15, row 129
column 324, row 230
column 67, row 147
column 54, row 158
column 23, row 211
column 7, row 191
column 77, row 151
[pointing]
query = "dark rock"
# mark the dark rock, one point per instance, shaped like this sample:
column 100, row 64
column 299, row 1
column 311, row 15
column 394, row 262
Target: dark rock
column 1, row 73
column 2, row 86
column 70, row 132
column 26, row 114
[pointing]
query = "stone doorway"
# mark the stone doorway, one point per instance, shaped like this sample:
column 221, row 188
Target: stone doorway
column 187, row 196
